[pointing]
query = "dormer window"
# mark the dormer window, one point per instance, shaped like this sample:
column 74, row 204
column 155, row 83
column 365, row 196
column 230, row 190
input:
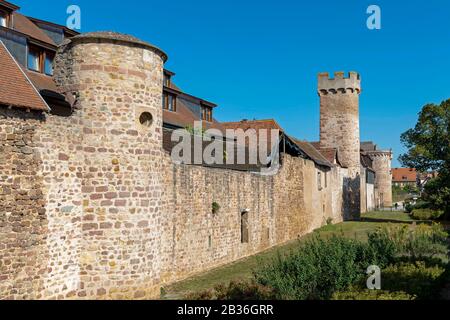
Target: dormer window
column 40, row 60
column 167, row 80
column 4, row 17
column 34, row 59
column 48, row 64
column 170, row 102
column 207, row 114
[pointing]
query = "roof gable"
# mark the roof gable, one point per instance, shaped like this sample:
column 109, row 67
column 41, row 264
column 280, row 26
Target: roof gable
column 15, row 88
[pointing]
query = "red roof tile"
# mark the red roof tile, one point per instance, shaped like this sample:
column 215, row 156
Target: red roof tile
column 15, row 87
column 404, row 175
column 25, row 26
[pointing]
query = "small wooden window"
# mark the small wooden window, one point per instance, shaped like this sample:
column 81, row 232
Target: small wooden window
column 48, row 63
column 167, row 80
column 207, row 114
column 35, row 58
column 40, row 60
column 170, row 102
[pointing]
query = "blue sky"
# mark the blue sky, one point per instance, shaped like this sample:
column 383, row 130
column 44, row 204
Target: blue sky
column 260, row 59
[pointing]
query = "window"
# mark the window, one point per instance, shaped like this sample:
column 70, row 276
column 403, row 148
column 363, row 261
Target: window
column 319, row 180
column 48, row 64
column 34, row 58
column 40, row 60
column 170, row 102
column 167, row 80
column 326, row 179
column 3, row 19
column 207, row 114
column 244, row 227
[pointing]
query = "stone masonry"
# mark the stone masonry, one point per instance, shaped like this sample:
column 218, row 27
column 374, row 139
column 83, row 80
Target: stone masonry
column 339, row 128
column 92, row 207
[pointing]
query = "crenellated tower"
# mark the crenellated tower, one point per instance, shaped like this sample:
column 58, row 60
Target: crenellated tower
column 339, row 128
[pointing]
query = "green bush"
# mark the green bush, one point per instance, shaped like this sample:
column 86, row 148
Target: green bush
column 237, row 291
column 409, row 208
column 366, row 294
column 426, row 214
column 416, row 279
column 415, row 242
column 318, row 269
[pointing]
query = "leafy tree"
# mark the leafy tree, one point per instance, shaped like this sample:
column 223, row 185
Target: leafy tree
column 429, row 149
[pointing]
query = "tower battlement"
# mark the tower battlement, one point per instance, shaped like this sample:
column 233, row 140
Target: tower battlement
column 340, row 82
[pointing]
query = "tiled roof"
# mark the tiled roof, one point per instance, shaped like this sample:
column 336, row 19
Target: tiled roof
column 15, row 88
column 404, row 175
column 25, row 26
column 168, row 146
column 331, row 154
column 253, row 124
column 313, row 153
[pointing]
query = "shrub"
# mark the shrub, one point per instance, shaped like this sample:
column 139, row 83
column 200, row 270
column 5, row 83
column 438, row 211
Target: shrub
column 366, row 294
column 409, row 208
column 318, row 269
column 236, row 290
column 215, row 207
column 415, row 242
column 416, row 279
column 426, row 214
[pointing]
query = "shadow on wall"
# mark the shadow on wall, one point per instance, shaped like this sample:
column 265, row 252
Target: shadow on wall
column 351, row 197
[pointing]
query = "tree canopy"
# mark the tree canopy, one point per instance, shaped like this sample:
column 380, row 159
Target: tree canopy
column 429, row 142
column 429, row 149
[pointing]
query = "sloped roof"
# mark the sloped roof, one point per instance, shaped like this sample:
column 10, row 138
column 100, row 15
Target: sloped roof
column 404, row 175
column 168, row 146
column 267, row 124
column 16, row 89
column 313, row 153
column 331, row 154
column 25, row 26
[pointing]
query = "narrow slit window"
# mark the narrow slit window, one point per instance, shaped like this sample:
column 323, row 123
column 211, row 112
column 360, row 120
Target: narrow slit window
column 244, row 228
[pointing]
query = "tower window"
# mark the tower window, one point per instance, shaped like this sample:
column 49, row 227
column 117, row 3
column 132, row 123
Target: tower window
column 170, row 102
column 207, row 114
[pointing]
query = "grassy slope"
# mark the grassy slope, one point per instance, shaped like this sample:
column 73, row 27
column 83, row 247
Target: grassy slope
column 243, row 269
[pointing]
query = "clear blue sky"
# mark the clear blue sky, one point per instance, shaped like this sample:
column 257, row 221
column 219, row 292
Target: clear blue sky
column 260, row 59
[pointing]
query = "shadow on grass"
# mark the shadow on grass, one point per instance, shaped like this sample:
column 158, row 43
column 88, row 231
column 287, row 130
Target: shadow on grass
column 381, row 220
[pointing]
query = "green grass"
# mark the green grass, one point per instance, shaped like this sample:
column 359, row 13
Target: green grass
column 242, row 269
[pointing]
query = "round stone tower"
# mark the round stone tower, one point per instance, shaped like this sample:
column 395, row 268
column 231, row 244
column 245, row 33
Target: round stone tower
column 115, row 83
column 339, row 128
column 339, row 116
column 382, row 164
